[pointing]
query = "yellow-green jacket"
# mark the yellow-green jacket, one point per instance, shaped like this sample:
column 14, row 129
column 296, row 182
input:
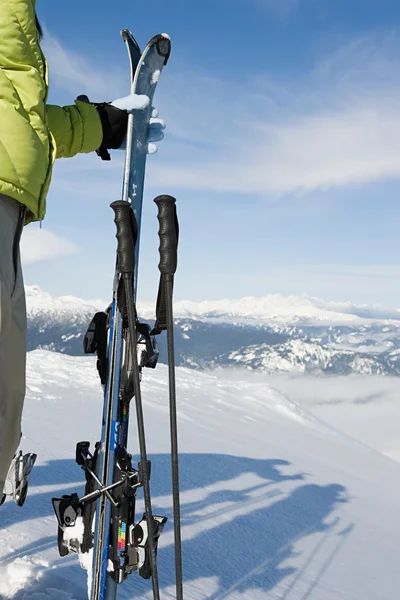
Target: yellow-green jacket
column 33, row 133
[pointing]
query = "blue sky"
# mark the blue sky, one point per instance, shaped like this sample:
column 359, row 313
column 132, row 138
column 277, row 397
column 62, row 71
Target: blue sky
column 282, row 148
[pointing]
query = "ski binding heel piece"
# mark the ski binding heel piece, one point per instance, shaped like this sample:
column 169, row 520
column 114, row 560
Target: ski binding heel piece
column 68, row 511
column 17, row 480
column 139, row 539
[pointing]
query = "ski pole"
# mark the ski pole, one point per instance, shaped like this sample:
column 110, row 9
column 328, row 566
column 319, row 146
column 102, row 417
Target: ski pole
column 168, row 234
column 126, row 229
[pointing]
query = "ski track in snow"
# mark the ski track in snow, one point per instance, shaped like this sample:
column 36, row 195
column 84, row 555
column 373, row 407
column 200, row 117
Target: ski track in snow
column 275, row 503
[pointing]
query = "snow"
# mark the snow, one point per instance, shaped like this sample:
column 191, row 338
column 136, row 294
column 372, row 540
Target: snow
column 15, row 575
column 132, row 102
column 297, row 355
column 276, row 502
column 76, row 532
column 156, row 76
column 41, row 303
column 366, row 408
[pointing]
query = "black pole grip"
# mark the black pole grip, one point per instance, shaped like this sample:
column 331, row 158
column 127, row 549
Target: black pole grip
column 168, row 234
column 126, row 235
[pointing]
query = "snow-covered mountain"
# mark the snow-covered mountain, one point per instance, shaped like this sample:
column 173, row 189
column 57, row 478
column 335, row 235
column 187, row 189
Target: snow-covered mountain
column 276, row 502
column 273, row 333
column 284, row 310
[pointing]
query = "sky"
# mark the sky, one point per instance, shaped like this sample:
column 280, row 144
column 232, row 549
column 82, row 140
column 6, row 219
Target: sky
column 282, row 148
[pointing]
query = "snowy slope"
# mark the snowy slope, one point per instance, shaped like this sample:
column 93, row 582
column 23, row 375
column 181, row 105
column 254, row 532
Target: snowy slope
column 367, row 408
column 276, row 504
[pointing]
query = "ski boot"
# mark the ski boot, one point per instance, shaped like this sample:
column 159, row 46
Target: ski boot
column 16, row 483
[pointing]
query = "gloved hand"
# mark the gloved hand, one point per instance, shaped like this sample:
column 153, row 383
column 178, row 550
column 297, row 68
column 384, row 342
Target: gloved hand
column 114, row 120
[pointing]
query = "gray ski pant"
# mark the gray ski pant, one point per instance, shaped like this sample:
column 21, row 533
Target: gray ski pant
column 12, row 332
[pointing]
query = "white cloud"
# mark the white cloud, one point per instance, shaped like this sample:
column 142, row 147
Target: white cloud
column 353, row 146
column 338, row 125
column 40, row 244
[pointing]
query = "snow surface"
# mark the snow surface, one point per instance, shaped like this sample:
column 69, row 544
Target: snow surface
column 275, row 503
column 368, row 409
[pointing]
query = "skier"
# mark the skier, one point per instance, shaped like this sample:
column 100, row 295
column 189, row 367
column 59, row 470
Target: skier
column 32, row 135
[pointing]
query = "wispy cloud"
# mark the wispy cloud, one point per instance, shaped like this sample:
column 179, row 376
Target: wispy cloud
column 337, row 125
column 40, row 244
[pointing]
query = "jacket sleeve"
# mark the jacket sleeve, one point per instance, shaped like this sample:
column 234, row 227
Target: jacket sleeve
column 75, row 128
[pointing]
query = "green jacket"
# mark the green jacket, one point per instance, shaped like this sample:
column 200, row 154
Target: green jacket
column 33, row 133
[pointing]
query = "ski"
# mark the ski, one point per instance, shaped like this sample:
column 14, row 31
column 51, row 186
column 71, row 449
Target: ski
column 114, row 461
column 101, row 525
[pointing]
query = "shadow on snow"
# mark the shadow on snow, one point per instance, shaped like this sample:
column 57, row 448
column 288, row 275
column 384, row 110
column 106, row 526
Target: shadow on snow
column 240, row 537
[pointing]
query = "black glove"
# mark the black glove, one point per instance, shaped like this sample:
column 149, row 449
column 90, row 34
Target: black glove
column 114, row 123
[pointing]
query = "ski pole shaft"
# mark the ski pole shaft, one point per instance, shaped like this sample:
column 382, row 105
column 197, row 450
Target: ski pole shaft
column 126, row 236
column 168, row 234
column 141, row 433
column 174, row 440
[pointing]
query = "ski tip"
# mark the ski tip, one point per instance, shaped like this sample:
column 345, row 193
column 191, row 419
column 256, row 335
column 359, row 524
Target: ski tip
column 129, row 39
column 125, row 33
column 162, row 41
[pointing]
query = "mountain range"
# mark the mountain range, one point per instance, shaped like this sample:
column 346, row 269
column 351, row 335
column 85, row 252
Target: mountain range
column 294, row 334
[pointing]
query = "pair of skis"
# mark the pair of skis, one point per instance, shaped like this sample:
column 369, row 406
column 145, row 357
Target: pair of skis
column 101, row 526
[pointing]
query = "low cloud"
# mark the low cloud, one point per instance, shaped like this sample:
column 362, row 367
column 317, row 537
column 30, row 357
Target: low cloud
column 40, row 244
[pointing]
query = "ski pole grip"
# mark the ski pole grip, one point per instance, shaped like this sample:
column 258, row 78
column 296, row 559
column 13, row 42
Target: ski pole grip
column 125, row 220
column 168, row 234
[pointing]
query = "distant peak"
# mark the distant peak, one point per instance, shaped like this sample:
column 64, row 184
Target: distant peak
column 34, row 290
